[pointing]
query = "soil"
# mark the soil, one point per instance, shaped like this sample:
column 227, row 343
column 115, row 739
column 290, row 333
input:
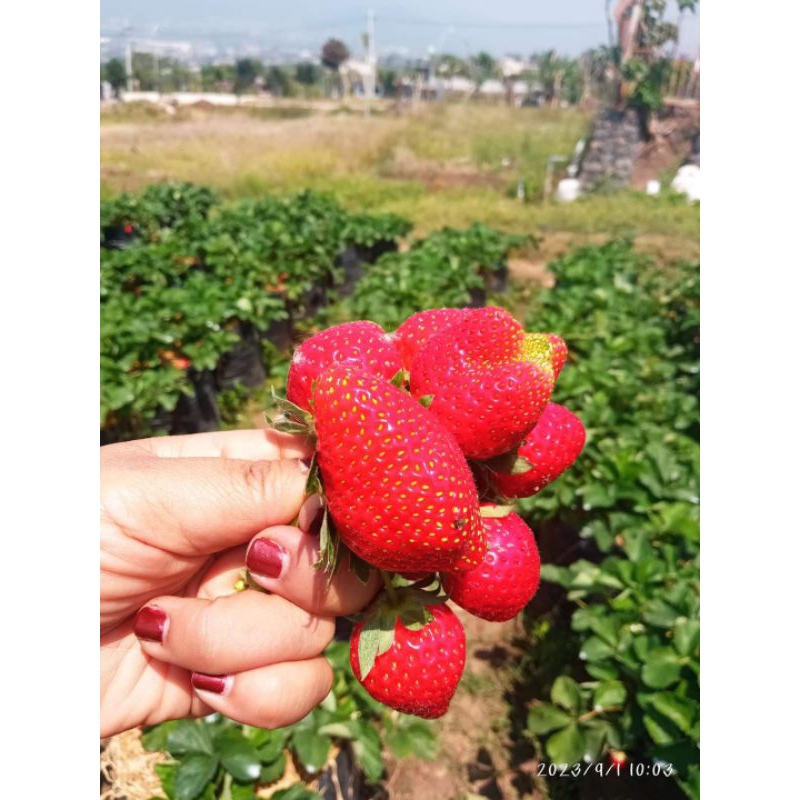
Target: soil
column 670, row 147
column 530, row 271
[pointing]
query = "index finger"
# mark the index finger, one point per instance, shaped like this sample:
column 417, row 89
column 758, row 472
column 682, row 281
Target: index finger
column 248, row 445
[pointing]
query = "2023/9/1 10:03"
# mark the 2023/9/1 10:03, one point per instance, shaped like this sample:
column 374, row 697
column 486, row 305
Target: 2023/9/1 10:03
column 616, row 767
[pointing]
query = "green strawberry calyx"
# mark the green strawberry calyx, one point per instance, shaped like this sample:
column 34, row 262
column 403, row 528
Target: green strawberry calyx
column 291, row 418
column 408, row 605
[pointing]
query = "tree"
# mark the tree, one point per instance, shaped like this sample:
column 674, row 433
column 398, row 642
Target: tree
column 485, row 66
column 247, row 70
column 217, row 77
column 448, row 64
column 334, row 54
column 278, row 82
column 645, row 73
column 307, row 73
column 114, row 72
column 387, row 81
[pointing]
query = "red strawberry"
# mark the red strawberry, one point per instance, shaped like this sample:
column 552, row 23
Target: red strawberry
column 490, row 381
column 418, row 328
column 397, row 486
column 550, row 448
column 419, row 673
column 360, row 344
column 508, row 576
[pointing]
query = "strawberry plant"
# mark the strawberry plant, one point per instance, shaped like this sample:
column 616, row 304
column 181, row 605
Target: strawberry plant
column 153, row 213
column 217, row 759
column 448, row 268
column 192, row 277
column 631, row 575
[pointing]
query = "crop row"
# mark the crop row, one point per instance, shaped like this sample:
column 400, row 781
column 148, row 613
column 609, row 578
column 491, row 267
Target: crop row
column 198, row 296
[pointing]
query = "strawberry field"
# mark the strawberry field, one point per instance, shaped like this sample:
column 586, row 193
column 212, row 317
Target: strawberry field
column 202, row 302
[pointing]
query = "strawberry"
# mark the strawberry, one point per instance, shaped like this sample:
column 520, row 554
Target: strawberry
column 549, row 449
column 397, row 487
column 507, row 578
column 420, row 670
column 361, row 344
column 418, row 328
column 489, row 380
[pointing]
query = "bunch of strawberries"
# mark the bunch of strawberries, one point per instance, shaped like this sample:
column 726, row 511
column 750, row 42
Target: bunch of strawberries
column 423, row 439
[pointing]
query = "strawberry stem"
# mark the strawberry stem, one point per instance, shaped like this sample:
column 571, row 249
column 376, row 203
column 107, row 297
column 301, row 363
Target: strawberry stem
column 390, row 591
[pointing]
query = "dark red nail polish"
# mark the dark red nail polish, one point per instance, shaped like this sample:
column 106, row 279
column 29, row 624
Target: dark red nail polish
column 265, row 557
column 209, row 683
column 150, row 624
column 306, row 462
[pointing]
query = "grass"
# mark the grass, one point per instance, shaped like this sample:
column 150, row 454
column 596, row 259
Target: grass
column 447, row 165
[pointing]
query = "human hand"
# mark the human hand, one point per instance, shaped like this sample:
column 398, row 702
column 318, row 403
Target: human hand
column 181, row 517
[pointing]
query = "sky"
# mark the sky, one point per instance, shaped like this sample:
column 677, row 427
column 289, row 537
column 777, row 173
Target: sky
column 411, row 27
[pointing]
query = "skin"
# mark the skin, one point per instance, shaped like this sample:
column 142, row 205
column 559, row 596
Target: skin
column 178, row 515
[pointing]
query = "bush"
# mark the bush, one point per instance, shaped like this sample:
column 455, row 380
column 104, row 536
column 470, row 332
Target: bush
column 632, row 501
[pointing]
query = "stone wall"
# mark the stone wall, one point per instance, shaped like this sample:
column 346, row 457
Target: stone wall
column 613, row 148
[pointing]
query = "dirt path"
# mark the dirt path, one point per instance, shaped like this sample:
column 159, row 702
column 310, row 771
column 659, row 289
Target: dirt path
column 474, row 749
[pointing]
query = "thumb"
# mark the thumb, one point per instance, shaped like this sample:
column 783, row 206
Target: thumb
column 198, row 506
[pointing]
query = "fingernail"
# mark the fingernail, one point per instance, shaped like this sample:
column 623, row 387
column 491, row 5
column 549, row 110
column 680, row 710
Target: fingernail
column 150, row 624
column 265, row 557
column 305, row 464
column 309, row 511
column 218, row 684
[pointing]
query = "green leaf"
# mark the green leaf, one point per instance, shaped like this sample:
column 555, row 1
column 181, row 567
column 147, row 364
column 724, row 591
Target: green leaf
column 426, row 400
column 566, row 693
column 567, row 746
column 680, row 710
column 376, row 638
column 545, row 718
column 155, row 738
column 242, row 791
column 166, row 772
column 609, row 694
column 273, row 771
column 237, row 755
column 660, row 729
column 296, row 792
column 367, row 750
column 595, row 735
column 193, row 774
column 347, row 729
column 409, row 736
column 269, row 744
column 190, row 737
column 687, row 637
column 662, row 668
column 311, row 748
column 360, row 567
